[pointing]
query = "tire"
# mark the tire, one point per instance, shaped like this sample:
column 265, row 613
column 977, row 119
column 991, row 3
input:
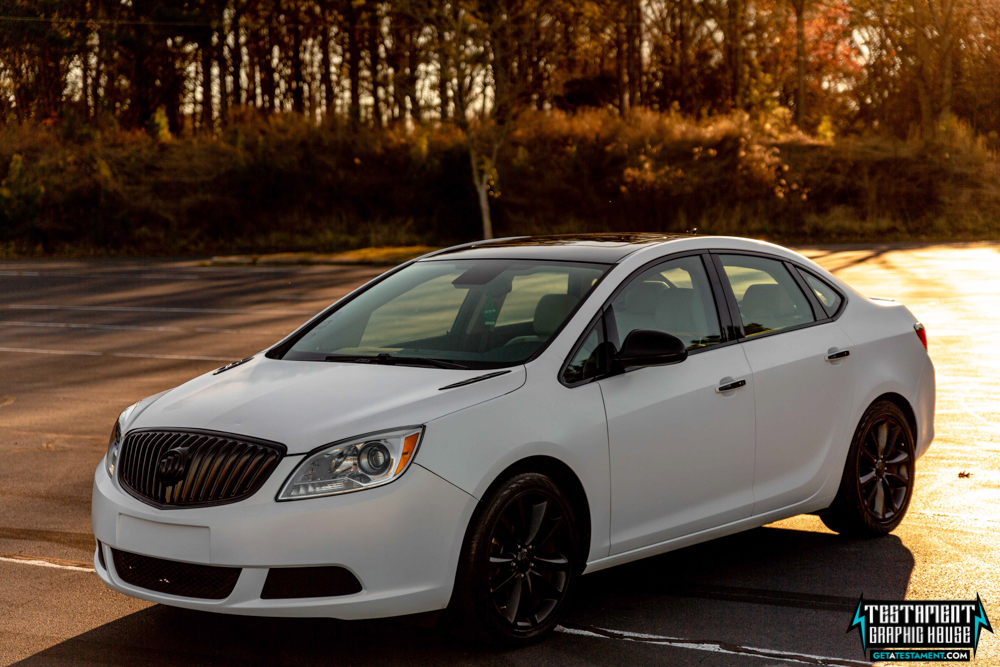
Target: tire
column 520, row 561
column 877, row 484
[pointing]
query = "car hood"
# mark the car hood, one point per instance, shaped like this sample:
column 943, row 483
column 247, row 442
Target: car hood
column 305, row 404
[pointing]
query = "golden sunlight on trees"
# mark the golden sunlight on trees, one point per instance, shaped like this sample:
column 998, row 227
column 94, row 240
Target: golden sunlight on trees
column 464, row 81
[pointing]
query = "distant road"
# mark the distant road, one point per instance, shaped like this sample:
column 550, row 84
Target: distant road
column 80, row 340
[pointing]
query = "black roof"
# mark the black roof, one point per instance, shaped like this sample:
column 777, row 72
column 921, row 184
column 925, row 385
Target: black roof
column 602, row 248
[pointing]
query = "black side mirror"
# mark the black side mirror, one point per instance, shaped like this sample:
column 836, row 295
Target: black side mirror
column 643, row 347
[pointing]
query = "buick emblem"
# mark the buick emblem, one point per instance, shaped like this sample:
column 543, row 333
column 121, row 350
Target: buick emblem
column 172, row 466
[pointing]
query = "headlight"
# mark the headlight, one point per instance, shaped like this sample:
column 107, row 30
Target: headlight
column 115, row 443
column 352, row 465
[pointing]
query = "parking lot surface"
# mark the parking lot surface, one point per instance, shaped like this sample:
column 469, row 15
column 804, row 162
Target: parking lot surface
column 80, row 340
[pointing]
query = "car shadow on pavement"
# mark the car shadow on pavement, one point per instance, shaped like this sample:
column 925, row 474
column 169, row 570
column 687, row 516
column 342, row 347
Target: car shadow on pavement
column 773, row 574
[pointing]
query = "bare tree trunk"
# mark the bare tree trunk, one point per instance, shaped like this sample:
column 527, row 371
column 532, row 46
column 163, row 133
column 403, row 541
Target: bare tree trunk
column 354, row 63
column 413, row 65
column 207, row 120
column 298, row 94
column 734, row 45
column 85, row 73
column 267, row 82
column 620, row 56
column 481, row 179
column 633, row 33
column 237, row 64
column 328, row 74
column 374, row 42
column 443, row 79
column 800, row 61
column 223, row 76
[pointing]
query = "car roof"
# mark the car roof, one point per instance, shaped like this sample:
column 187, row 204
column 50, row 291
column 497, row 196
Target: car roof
column 601, row 248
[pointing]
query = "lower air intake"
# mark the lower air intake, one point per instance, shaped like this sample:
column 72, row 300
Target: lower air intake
column 206, row 582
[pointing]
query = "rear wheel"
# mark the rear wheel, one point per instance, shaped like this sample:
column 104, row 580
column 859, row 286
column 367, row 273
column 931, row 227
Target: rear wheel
column 878, row 477
column 519, row 563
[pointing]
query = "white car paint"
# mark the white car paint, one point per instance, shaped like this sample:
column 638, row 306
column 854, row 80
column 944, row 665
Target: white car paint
column 640, row 445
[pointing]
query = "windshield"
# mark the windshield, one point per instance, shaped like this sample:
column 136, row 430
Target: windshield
column 482, row 313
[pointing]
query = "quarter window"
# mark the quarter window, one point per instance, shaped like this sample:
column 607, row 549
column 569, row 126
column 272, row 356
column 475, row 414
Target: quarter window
column 674, row 297
column 767, row 294
column 826, row 295
column 588, row 361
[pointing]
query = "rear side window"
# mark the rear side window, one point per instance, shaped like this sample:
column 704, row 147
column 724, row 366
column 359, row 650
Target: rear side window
column 826, row 295
column 767, row 294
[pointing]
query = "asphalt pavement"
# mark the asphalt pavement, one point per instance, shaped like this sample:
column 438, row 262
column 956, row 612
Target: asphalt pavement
column 80, row 340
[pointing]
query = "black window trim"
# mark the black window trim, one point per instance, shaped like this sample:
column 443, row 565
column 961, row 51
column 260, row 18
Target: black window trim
column 793, row 268
column 282, row 347
column 731, row 333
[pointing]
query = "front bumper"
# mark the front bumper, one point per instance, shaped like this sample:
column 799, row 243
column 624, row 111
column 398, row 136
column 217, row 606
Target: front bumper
column 402, row 542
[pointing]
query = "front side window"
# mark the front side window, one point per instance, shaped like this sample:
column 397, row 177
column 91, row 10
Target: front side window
column 768, row 296
column 464, row 313
column 674, row 297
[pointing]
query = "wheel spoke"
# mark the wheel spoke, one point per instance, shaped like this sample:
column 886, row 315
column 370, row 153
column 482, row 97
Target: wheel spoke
column 893, row 439
column 545, row 589
column 514, row 601
column 868, row 455
column 494, row 589
column 556, row 562
column 549, row 534
column 880, row 500
column 867, row 478
column 501, row 560
column 883, row 434
column 870, row 498
column 900, row 457
column 537, row 516
column 899, row 480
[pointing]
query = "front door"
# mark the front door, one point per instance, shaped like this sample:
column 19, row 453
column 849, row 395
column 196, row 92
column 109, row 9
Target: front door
column 682, row 452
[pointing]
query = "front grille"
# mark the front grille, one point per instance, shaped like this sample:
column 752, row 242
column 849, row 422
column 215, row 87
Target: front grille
column 172, row 469
column 188, row 580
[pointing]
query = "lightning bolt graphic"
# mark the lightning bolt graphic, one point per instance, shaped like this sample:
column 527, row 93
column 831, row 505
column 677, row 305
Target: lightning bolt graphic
column 981, row 622
column 859, row 620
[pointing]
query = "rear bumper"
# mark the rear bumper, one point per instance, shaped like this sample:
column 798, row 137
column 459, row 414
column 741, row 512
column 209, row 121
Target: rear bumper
column 402, row 542
column 924, row 409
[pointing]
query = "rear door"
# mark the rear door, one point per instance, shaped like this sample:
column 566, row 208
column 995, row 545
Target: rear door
column 803, row 376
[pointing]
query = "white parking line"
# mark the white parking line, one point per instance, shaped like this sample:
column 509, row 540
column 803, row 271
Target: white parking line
column 38, row 561
column 712, row 647
column 145, row 309
column 127, row 355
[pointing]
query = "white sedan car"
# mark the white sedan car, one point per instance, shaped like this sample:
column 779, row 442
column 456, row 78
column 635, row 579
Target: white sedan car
column 476, row 429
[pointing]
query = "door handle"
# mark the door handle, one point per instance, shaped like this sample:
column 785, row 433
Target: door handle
column 731, row 386
column 836, row 356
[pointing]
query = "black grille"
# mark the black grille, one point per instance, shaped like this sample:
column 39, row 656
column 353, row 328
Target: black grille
column 202, row 467
column 188, row 580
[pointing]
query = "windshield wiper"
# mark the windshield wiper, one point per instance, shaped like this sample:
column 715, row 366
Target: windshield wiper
column 389, row 360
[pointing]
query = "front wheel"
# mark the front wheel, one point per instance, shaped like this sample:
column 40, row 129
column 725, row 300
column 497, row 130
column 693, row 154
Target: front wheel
column 878, row 477
column 519, row 563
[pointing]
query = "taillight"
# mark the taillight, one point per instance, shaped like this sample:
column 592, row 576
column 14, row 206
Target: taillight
column 921, row 333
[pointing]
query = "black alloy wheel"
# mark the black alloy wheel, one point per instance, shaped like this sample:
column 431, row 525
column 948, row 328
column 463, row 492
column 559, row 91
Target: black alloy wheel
column 529, row 560
column 884, row 469
column 878, row 478
column 519, row 564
